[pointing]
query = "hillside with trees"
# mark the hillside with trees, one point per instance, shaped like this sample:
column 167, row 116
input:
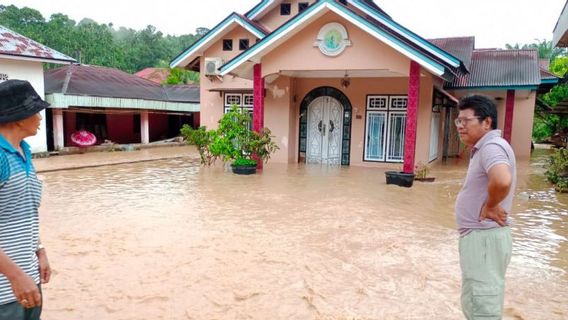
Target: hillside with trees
column 101, row 44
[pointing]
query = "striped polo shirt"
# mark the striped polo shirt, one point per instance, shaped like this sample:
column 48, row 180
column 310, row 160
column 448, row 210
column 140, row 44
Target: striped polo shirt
column 20, row 195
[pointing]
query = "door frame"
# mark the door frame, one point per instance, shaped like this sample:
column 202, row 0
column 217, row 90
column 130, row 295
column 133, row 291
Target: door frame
column 347, row 121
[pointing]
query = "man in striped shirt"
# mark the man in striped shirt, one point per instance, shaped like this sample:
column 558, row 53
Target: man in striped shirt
column 23, row 260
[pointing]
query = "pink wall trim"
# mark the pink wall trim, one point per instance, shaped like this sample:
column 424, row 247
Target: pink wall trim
column 258, row 104
column 411, row 117
column 509, row 110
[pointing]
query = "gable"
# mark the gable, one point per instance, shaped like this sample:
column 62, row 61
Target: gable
column 214, row 36
column 365, row 54
column 397, row 41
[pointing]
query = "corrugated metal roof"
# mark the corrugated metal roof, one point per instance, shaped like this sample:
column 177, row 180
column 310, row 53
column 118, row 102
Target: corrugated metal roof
column 500, row 68
column 461, row 47
column 15, row 44
column 84, row 80
column 157, row 75
column 545, row 75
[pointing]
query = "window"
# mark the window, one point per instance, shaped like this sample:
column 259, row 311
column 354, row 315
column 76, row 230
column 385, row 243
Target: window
column 228, row 45
column 385, row 128
column 243, row 44
column 302, row 6
column 285, row 9
column 244, row 103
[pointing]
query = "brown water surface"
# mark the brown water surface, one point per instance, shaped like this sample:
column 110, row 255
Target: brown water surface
column 169, row 239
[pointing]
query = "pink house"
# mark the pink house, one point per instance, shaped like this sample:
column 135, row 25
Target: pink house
column 342, row 83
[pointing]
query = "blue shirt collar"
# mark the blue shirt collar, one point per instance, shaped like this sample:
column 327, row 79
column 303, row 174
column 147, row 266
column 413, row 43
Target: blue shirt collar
column 4, row 144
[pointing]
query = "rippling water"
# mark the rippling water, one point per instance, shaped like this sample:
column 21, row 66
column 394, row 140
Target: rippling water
column 171, row 240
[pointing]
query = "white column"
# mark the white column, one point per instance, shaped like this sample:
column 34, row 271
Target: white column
column 58, row 131
column 144, row 127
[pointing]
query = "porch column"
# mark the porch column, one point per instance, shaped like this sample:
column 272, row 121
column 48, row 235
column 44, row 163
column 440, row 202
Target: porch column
column 258, row 106
column 144, row 128
column 58, row 131
column 509, row 110
column 411, row 117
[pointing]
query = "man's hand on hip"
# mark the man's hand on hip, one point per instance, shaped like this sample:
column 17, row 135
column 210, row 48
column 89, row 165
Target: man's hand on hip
column 496, row 214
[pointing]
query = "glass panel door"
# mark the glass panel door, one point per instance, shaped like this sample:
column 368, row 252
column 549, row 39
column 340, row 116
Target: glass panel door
column 375, row 136
column 397, row 127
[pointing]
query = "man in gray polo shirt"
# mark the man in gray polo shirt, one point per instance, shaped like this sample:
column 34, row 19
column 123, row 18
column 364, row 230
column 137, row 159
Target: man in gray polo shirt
column 482, row 209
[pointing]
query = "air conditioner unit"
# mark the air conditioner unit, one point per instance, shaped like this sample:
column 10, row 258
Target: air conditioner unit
column 212, row 66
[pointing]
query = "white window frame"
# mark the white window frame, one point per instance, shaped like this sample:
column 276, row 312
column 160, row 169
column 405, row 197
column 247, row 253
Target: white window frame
column 370, row 98
column 389, row 112
column 388, row 142
column 230, row 95
column 366, row 156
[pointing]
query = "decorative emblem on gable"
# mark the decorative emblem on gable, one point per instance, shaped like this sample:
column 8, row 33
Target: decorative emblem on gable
column 332, row 39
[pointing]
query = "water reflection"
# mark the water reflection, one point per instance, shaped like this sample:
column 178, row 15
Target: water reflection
column 171, row 240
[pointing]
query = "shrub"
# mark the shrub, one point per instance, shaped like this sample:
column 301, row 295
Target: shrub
column 557, row 172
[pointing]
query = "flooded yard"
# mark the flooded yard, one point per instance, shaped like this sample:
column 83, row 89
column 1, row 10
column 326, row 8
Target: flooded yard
column 169, row 239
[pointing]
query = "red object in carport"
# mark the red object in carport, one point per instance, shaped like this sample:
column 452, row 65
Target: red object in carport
column 83, row 138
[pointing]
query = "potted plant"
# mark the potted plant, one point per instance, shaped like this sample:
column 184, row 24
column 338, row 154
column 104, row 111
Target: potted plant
column 421, row 170
column 233, row 142
column 399, row 178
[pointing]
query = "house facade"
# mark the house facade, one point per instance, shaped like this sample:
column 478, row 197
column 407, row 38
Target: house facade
column 23, row 58
column 342, row 83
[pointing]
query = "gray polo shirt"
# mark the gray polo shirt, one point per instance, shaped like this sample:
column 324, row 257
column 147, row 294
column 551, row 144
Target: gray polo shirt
column 490, row 150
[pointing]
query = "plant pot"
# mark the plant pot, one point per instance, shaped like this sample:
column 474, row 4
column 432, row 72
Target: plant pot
column 243, row 169
column 426, row 179
column 400, row 179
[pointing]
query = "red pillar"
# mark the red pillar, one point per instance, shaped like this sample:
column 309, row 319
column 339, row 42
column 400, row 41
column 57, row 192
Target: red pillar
column 510, row 106
column 411, row 117
column 258, row 106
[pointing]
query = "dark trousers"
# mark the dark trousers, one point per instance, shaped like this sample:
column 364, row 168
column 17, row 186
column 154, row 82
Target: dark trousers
column 15, row 311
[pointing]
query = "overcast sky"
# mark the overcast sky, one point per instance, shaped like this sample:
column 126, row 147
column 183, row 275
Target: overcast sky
column 493, row 22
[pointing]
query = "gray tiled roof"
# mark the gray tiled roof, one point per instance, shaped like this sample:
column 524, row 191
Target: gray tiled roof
column 500, row 68
column 84, row 80
column 14, row 44
column 461, row 47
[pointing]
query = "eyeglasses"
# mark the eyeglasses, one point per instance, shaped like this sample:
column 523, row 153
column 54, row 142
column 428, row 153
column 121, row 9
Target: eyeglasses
column 463, row 121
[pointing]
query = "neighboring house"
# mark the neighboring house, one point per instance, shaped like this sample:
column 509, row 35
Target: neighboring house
column 560, row 33
column 340, row 82
column 23, row 58
column 115, row 106
column 157, row 75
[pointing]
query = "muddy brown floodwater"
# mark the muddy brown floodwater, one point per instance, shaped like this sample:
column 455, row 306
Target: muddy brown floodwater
column 169, row 239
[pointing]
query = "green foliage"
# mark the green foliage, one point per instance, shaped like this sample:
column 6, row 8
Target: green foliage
column 182, row 76
column 240, row 162
column 557, row 172
column 202, row 139
column 98, row 44
column 559, row 66
column 542, row 128
column 557, row 94
column 545, row 48
column 233, row 140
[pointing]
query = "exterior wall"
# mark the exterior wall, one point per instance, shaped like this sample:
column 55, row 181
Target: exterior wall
column 280, row 116
column 212, row 102
column 522, row 118
column 32, row 72
column 272, row 19
column 299, row 53
column 158, row 126
column 120, row 128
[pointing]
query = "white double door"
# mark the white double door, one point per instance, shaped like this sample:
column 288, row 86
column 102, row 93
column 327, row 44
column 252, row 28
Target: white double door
column 325, row 126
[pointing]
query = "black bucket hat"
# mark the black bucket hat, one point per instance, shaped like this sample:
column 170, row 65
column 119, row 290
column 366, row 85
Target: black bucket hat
column 18, row 101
